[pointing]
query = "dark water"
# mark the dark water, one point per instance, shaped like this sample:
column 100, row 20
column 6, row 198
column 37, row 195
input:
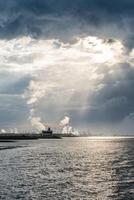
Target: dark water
column 71, row 168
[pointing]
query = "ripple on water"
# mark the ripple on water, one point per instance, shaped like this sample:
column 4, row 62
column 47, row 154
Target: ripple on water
column 75, row 168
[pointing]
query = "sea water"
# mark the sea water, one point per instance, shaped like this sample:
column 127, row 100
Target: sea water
column 70, row 168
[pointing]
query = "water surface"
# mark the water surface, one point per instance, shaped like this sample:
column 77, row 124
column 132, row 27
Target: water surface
column 71, row 168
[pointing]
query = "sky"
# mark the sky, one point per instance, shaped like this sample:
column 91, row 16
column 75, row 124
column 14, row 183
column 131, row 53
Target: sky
column 72, row 58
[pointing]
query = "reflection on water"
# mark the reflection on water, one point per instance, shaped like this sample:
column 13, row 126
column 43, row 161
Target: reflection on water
column 71, row 168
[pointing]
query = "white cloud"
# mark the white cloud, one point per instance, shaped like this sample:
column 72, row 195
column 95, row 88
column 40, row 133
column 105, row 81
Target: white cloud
column 61, row 70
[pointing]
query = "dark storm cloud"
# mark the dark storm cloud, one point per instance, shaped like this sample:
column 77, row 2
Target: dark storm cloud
column 51, row 18
column 115, row 101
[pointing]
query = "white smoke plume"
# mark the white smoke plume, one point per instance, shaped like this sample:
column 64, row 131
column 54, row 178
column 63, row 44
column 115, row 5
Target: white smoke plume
column 15, row 130
column 36, row 121
column 32, row 111
column 36, row 90
column 76, row 132
column 37, row 124
column 65, row 121
column 3, row 131
column 67, row 129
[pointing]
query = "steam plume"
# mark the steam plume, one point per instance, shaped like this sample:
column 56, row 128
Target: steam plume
column 36, row 123
column 15, row 130
column 67, row 129
column 35, row 91
column 3, row 131
column 65, row 121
